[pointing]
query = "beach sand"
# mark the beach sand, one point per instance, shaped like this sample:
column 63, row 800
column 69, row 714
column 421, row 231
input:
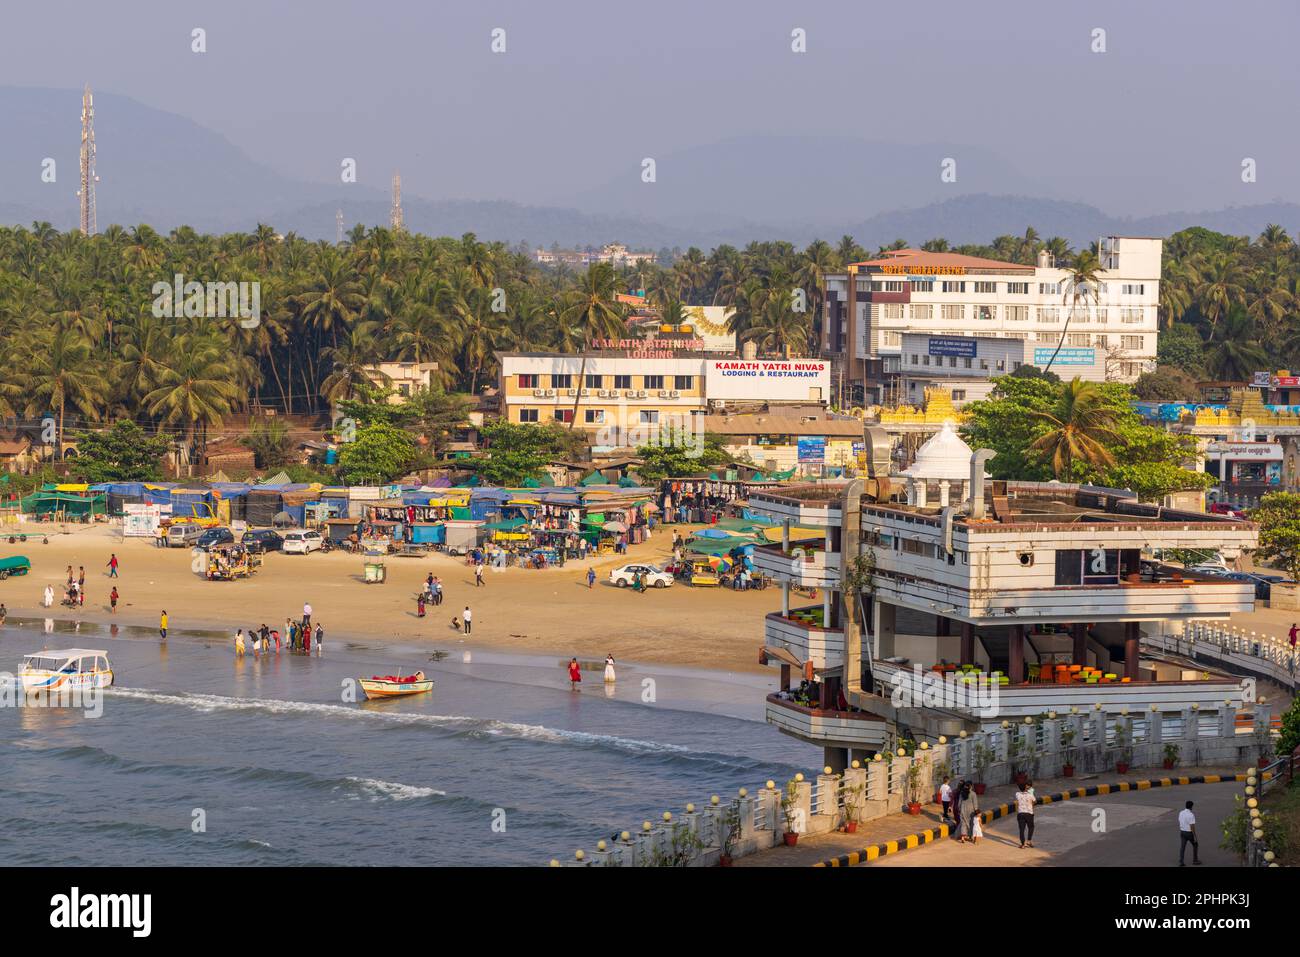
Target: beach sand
column 522, row 610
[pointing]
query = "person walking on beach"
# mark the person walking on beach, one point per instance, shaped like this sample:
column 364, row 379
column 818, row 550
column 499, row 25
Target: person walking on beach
column 306, row 614
column 112, row 565
column 162, row 625
column 1187, row 835
column 591, row 578
column 81, row 577
column 609, row 669
column 112, row 600
column 320, row 639
column 70, row 575
column 945, row 796
column 575, row 674
column 466, row 619
column 437, row 591
column 478, row 575
column 4, row 613
column 419, row 605
column 47, row 599
column 1025, row 814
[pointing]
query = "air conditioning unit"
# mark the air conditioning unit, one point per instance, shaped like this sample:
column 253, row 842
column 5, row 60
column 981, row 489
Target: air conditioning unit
column 663, row 394
column 640, row 393
column 571, row 392
column 586, row 392
column 550, row 392
column 674, row 394
column 601, row 393
column 629, row 393
column 539, row 392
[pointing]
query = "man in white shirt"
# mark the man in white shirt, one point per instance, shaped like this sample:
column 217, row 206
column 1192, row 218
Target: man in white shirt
column 466, row 619
column 945, row 796
column 306, row 615
column 1187, row 835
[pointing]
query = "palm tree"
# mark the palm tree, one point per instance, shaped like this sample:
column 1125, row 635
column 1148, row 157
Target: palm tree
column 1081, row 285
column 1222, row 279
column 195, row 388
column 1077, row 429
column 351, row 364
column 1239, row 353
column 63, row 370
column 594, row 310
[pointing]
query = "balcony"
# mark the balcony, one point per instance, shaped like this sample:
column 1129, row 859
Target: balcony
column 846, row 729
column 808, row 564
column 800, row 635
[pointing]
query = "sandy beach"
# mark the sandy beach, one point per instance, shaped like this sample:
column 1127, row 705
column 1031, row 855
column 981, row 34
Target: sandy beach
column 524, row 610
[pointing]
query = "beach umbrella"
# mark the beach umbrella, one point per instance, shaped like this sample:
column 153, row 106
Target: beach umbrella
column 614, row 527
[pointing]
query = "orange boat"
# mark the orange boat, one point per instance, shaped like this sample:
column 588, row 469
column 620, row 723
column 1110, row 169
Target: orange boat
column 395, row 686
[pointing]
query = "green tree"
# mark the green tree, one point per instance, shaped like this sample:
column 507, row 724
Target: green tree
column 1181, row 347
column 124, row 452
column 1278, row 516
column 1168, row 383
column 380, row 453
column 269, row 441
column 678, row 454
column 1078, row 428
column 517, row 452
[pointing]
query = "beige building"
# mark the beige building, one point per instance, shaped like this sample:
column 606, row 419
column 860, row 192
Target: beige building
column 406, row 378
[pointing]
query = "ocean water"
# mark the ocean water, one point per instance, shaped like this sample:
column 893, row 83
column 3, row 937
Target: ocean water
column 500, row 765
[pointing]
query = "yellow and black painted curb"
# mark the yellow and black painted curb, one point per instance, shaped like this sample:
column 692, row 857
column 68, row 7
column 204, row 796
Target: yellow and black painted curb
column 930, row 835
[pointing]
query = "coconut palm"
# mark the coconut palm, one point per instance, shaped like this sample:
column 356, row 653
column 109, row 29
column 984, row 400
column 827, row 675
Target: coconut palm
column 63, row 371
column 1238, row 353
column 1077, row 429
column 1081, row 285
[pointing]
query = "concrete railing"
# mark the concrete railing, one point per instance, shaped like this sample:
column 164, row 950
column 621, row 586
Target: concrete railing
column 758, row 819
column 1233, row 649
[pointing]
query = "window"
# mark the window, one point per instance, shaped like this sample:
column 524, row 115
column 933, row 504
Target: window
column 562, row 381
column 925, row 360
column 595, row 416
column 986, row 287
column 1102, row 342
column 529, row 381
column 564, row 415
column 1018, row 288
column 922, row 313
column 1017, row 313
column 913, row 547
column 1022, row 336
column 954, row 313
column 1131, row 289
column 954, row 286
column 649, row 416
column 926, row 285
column 959, row 395
column 891, row 310
column 1079, row 339
column 622, row 382
column 986, row 312
column 984, row 363
column 653, row 381
column 1049, row 288
column 952, row 362
column 683, row 382
column 1049, row 314
column 916, row 359
column 527, row 415
column 1130, row 314
column 892, row 285
column 1047, row 337
column 1131, row 342
column 1002, row 365
column 965, row 363
column 595, row 382
column 891, row 338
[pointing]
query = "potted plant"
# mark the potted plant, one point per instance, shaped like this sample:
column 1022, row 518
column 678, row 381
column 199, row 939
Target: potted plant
column 1264, row 740
column 729, row 825
column 790, row 811
column 1123, row 754
column 983, row 758
column 914, row 787
column 1067, row 752
column 1171, row 755
column 853, row 807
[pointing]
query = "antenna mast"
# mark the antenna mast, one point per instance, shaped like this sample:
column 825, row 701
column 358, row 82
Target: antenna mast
column 88, row 176
column 338, row 228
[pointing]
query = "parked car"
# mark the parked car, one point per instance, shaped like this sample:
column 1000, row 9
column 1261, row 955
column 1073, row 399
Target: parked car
column 215, row 536
column 262, row 540
column 624, row 576
column 300, row 541
column 1223, row 508
column 182, row 534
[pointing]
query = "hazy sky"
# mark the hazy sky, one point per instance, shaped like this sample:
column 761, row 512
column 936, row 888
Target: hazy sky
column 1160, row 121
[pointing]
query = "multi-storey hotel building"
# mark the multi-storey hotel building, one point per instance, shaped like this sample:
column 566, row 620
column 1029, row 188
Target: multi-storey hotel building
column 1108, row 332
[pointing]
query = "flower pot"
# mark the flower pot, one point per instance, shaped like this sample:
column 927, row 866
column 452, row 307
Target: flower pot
column 1121, row 767
column 1167, row 763
column 1263, row 762
column 724, row 860
column 791, row 838
column 850, row 827
column 914, row 807
column 1067, row 770
column 979, row 788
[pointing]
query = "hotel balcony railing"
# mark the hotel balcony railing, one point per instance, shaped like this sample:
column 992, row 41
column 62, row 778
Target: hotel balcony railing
column 818, row 506
column 802, row 635
column 808, row 565
column 855, row 729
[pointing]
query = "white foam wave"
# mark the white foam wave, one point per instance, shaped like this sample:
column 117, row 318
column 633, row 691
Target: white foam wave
column 378, row 790
column 208, row 703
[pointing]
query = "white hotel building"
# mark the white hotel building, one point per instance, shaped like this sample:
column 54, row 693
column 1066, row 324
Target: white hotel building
column 948, row 294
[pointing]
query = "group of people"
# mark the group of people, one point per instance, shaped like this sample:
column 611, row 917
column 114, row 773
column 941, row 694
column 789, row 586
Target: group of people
column 430, row 594
column 961, row 806
column 298, row 636
column 575, row 672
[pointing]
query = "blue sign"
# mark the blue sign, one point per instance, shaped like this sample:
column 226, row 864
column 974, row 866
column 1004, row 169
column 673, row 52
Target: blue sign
column 963, row 346
column 1066, row 357
column 812, row 448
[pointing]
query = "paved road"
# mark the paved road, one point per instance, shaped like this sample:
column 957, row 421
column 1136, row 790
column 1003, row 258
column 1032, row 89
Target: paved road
column 1129, row 829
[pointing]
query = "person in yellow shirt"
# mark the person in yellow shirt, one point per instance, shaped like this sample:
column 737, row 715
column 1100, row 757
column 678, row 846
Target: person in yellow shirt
column 162, row 625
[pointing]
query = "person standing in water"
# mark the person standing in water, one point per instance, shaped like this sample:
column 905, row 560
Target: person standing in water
column 575, row 674
column 112, row 600
column 320, row 639
column 239, row 643
column 609, row 669
column 306, row 640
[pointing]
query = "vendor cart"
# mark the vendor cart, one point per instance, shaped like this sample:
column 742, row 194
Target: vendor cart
column 375, row 573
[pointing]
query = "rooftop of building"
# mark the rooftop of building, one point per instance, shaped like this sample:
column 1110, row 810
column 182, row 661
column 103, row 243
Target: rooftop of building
column 909, row 258
column 778, row 423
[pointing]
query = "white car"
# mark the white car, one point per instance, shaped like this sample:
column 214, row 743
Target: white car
column 300, row 541
column 625, row 576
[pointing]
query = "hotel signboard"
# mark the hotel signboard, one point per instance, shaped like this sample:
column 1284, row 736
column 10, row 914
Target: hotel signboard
column 776, row 380
column 812, row 449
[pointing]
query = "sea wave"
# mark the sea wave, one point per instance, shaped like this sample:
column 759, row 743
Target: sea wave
column 379, row 790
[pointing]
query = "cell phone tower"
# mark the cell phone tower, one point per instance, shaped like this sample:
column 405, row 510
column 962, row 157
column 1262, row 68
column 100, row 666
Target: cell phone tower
column 88, row 177
column 338, row 228
column 395, row 218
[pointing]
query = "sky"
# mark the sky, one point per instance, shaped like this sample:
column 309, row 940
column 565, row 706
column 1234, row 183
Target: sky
column 1162, row 120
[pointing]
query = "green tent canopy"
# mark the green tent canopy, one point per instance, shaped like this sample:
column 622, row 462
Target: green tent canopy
column 506, row 524
column 532, row 483
column 595, row 478
column 44, row 503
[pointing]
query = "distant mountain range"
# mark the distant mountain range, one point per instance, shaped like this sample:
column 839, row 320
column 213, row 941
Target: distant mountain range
column 166, row 170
